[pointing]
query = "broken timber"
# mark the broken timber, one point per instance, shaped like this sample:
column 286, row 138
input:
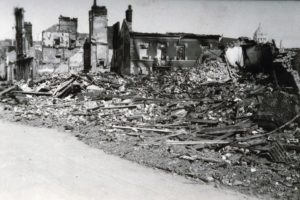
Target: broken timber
column 118, row 107
column 269, row 133
column 143, row 129
column 204, row 142
column 35, row 93
column 65, row 87
column 8, row 90
column 223, row 130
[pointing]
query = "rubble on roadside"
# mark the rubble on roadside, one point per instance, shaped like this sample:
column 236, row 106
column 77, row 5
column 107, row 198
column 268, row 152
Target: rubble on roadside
column 203, row 122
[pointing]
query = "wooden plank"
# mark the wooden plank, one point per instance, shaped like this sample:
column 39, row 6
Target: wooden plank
column 223, row 130
column 8, row 90
column 204, row 142
column 118, row 107
column 95, row 108
column 203, row 121
column 196, row 157
column 63, row 87
column 143, row 129
column 169, row 136
column 65, row 91
column 222, row 137
column 35, row 93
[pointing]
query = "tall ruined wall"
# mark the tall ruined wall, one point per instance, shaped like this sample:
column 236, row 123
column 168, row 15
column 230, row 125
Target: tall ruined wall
column 99, row 32
column 67, row 24
column 19, row 17
column 98, row 37
column 25, row 64
column 121, row 57
column 28, row 33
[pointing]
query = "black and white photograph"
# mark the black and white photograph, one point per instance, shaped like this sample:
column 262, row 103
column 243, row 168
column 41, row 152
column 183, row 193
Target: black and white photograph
column 149, row 100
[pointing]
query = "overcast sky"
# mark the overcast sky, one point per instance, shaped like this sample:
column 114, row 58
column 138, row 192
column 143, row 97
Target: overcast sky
column 280, row 19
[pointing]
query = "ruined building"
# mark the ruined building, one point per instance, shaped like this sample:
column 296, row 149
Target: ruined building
column 60, row 40
column 68, row 25
column 23, row 67
column 139, row 53
column 121, row 49
column 128, row 52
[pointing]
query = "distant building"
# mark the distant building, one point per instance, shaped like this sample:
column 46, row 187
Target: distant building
column 260, row 36
column 138, row 53
column 60, row 41
column 68, row 25
column 125, row 51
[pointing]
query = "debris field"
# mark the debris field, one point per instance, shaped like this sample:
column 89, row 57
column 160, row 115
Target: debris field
column 210, row 122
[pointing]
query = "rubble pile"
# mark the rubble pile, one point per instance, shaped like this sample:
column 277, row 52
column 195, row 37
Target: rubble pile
column 202, row 122
column 286, row 59
column 182, row 83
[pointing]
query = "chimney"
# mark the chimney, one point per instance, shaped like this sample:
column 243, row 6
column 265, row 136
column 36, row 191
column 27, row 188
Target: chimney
column 19, row 17
column 129, row 17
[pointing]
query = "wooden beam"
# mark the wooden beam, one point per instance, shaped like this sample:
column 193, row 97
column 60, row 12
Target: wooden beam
column 143, row 129
column 35, row 93
column 205, row 142
column 117, row 107
column 8, row 90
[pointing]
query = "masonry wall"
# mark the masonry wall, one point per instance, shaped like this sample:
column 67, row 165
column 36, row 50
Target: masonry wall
column 20, row 41
column 99, row 35
column 67, row 24
column 49, row 39
column 3, row 70
column 142, row 60
column 28, row 33
column 25, row 69
column 53, row 55
column 122, row 52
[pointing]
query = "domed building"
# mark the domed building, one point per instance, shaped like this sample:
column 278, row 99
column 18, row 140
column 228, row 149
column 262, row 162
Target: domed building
column 259, row 36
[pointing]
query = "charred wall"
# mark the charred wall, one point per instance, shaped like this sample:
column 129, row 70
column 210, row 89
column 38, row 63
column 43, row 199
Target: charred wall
column 67, row 24
column 168, row 51
column 98, row 25
column 28, row 33
column 56, row 55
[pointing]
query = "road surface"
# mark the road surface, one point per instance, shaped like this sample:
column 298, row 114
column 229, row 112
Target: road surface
column 42, row 164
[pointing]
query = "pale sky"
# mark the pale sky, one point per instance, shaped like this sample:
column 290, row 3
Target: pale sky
column 279, row 19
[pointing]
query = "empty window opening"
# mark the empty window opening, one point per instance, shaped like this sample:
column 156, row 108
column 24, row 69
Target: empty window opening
column 180, row 52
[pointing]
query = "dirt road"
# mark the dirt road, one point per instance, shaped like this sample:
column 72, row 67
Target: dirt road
column 38, row 163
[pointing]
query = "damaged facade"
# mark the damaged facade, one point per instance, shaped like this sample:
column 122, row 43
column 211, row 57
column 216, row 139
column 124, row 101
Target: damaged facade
column 129, row 52
column 140, row 53
column 6, row 46
column 100, row 39
column 24, row 66
column 60, row 41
